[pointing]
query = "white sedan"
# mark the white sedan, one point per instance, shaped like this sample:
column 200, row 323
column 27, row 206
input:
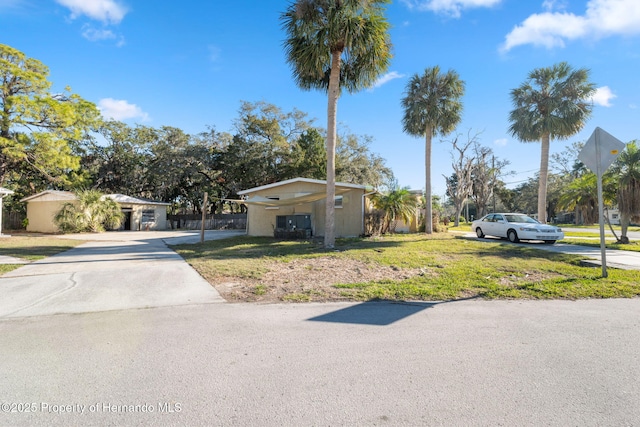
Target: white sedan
column 515, row 227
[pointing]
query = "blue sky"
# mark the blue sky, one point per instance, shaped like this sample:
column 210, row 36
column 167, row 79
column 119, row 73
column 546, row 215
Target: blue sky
column 189, row 64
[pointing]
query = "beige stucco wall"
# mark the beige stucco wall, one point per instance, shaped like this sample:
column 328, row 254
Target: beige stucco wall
column 402, row 227
column 261, row 221
column 41, row 213
column 160, row 217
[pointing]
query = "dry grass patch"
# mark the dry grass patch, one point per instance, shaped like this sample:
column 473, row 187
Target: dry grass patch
column 310, row 279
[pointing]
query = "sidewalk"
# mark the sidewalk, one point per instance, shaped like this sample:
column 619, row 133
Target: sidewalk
column 11, row 260
column 624, row 260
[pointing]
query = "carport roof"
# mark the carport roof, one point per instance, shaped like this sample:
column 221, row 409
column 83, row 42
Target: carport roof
column 308, row 180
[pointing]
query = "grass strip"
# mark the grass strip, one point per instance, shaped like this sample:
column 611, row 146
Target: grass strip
column 453, row 268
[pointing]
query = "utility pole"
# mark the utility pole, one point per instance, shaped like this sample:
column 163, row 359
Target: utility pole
column 204, row 217
column 493, row 181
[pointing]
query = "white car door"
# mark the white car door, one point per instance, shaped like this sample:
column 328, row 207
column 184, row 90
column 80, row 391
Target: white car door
column 488, row 225
column 499, row 226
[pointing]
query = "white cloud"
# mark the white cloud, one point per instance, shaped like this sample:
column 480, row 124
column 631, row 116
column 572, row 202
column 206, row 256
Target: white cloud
column 387, row 78
column 603, row 96
column 501, row 142
column 448, row 7
column 93, row 34
column 117, row 109
column 601, row 19
column 107, row 11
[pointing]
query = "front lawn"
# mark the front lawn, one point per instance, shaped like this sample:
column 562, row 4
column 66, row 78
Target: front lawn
column 411, row 267
column 32, row 248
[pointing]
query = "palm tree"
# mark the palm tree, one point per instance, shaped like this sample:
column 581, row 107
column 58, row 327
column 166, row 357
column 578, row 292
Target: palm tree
column 626, row 169
column 554, row 103
column 432, row 106
column 580, row 196
column 91, row 211
column 331, row 45
column 398, row 204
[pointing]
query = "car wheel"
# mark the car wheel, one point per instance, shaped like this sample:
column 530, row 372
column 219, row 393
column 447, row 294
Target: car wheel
column 479, row 233
column 549, row 242
column 512, row 236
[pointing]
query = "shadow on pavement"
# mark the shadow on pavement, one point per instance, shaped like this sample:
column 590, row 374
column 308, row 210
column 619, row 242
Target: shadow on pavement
column 380, row 312
column 376, row 312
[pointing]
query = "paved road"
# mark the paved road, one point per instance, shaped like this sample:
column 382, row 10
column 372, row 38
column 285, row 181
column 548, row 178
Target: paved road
column 524, row 363
column 115, row 271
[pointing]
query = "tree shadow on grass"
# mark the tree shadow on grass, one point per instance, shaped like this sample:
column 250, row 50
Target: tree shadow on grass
column 378, row 312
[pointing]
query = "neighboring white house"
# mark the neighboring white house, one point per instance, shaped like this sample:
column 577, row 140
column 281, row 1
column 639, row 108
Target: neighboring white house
column 139, row 214
column 614, row 216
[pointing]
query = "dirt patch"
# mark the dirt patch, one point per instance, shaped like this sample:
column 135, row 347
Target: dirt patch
column 308, row 280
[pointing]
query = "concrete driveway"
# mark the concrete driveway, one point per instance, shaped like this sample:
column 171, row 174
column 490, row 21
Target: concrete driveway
column 114, row 271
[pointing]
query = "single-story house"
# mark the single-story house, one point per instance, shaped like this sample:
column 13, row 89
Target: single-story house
column 298, row 206
column 139, row 214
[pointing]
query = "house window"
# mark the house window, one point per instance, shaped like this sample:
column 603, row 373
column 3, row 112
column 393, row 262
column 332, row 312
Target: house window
column 148, row 215
column 338, row 201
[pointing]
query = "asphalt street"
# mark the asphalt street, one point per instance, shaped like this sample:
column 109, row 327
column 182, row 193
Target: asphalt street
column 123, row 332
column 471, row 363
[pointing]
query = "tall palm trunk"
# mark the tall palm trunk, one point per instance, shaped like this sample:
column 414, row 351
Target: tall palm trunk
column 428, row 215
column 544, row 172
column 332, row 111
column 625, row 220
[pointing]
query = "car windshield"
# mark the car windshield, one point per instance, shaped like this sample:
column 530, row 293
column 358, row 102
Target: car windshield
column 520, row 218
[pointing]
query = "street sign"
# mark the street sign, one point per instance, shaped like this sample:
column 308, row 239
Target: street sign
column 600, row 150
column 597, row 154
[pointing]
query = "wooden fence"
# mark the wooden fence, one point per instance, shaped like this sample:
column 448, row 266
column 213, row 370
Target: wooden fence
column 212, row 222
column 13, row 220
